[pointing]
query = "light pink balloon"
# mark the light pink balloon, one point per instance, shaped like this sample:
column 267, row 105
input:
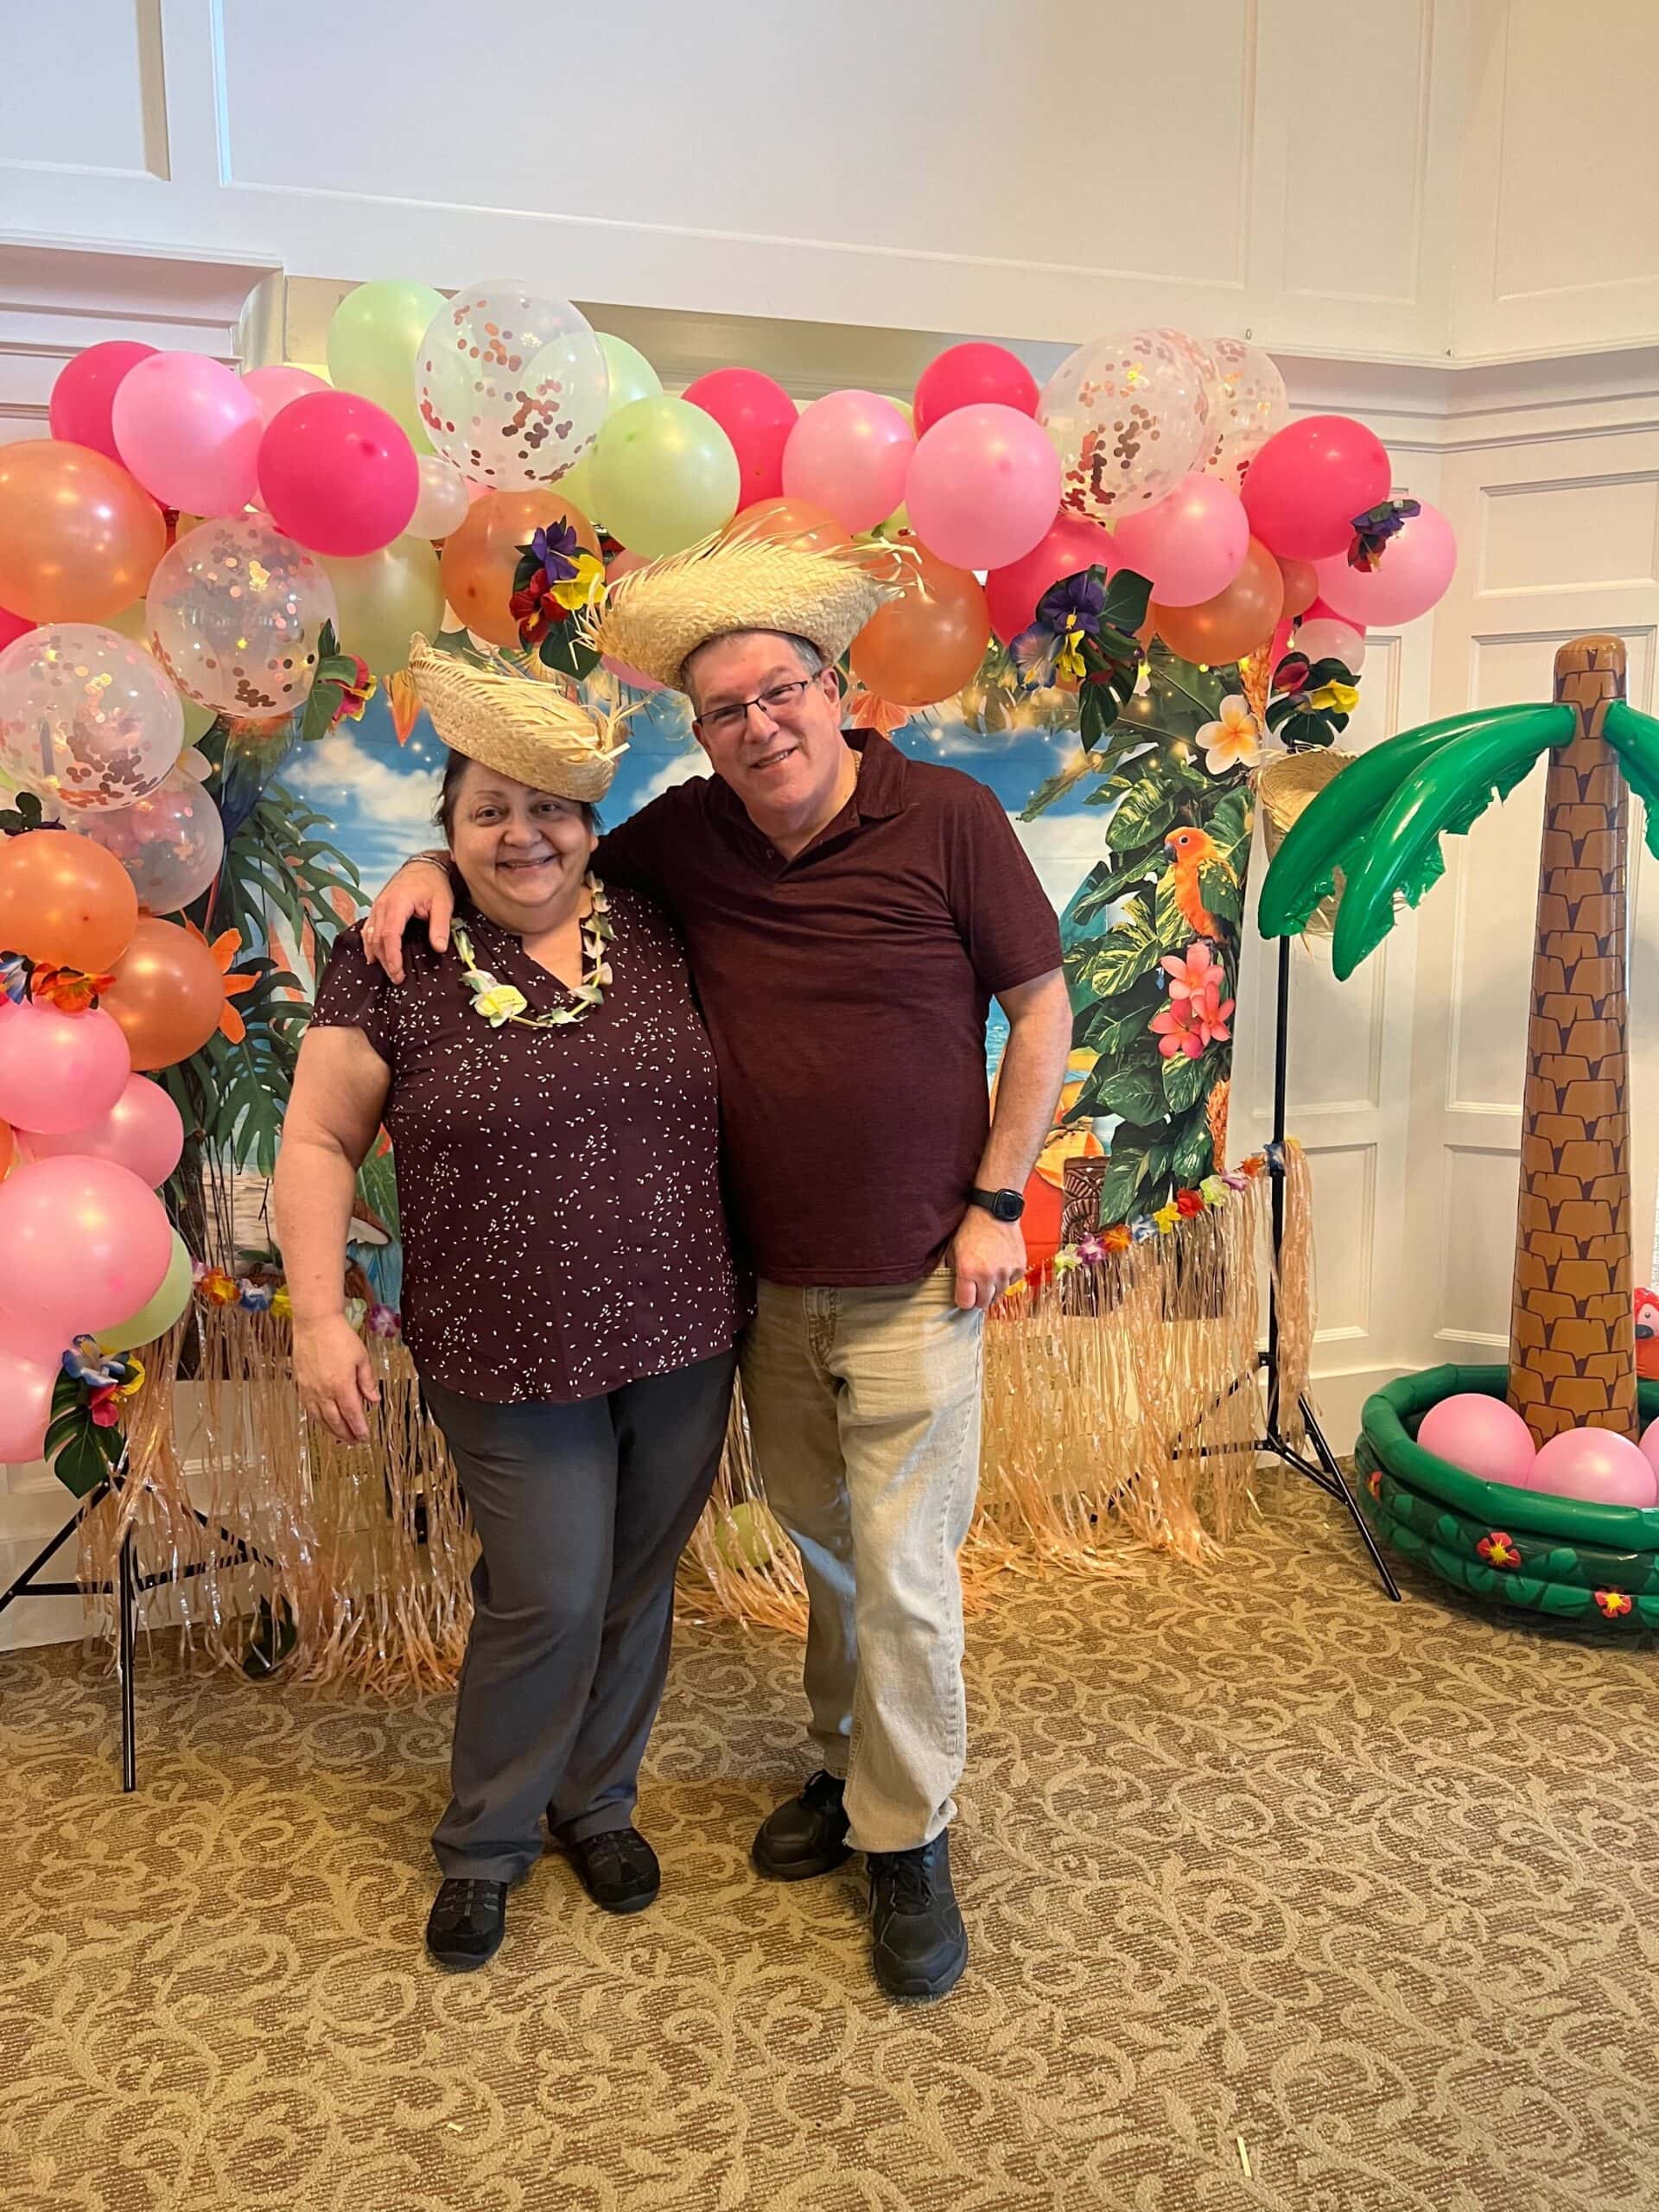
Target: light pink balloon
column 1482, row 1435
column 25, row 1387
column 189, row 430
column 142, row 1132
column 1596, row 1465
column 59, row 1071
column 1411, row 577
column 1190, row 545
column 443, row 500
column 848, row 454
column 85, row 1243
column 1327, row 639
column 273, row 387
column 983, row 487
column 1649, row 1446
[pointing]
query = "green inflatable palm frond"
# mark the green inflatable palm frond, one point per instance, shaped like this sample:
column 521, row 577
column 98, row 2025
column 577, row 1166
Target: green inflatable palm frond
column 1634, row 737
column 1446, row 795
column 1333, row 834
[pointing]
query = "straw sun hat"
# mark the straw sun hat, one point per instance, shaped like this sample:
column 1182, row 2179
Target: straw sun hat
column 523, row 726
column 656, row 618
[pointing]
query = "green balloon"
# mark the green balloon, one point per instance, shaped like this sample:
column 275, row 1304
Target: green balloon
column 632, row 375
column 576, row 485
column 664, row 475
column 383, row 598
column 373, row 339
column 157, row 1313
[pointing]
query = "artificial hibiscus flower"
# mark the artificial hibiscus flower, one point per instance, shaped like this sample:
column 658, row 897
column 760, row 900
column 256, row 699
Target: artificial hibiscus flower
column 68, row 988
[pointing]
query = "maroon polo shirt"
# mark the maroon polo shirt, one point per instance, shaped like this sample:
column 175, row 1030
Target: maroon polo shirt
column 846, row 992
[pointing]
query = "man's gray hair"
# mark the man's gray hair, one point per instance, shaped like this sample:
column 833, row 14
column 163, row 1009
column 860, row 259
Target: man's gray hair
column 813, row 661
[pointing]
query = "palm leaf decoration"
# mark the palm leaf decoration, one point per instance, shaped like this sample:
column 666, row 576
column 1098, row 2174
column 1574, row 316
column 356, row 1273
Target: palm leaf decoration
column 1634, row 737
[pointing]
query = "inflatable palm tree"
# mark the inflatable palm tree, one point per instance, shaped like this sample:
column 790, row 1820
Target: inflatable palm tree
column 1374, row 834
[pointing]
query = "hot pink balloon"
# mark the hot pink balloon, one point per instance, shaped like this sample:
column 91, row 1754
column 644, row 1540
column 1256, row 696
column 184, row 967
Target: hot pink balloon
column 189, row 430
column 142, row 1132
column 13, row 627
column 59, row 1071
column 85, row 390
column 983, row 487
column 1482, row 1435
column 975, row 375
column 276, row 384
column 1310, row 480
column 758, row 416
column 1069, row 544
column 1596, row 1465
column 1192, row 545
column 1411, row 577
column 848, row 454
column 25, row 1387
column 85, row 1243
column 337, row 474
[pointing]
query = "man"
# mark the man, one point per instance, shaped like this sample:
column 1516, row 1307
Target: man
column 848, row 914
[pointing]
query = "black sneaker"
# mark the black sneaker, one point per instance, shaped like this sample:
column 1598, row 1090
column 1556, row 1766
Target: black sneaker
column 806, row 1836
column 468, row 1920
column 618, row 1869
column 921, row 1946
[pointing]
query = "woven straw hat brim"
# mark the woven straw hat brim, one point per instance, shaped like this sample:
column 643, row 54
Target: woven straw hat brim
column 656, row 617
column 516, row 725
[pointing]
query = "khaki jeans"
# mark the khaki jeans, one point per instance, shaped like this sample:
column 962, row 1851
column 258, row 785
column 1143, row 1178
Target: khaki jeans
column 864, row 1408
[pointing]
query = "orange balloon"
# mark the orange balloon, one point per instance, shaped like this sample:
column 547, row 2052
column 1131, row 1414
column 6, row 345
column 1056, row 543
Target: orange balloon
column 1301, row 586
column 919, row 649
column 64, row 900
column 79, row 538
column 1236, row 621
column 481, row 553
column 788, row 522
column 167, row 995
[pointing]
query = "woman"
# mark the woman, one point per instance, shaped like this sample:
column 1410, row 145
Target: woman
column 570, row 1297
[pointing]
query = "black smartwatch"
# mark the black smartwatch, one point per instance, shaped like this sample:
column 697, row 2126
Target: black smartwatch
column 1002, row 1205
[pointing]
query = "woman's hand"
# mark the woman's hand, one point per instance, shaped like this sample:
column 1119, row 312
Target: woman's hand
column 419, row 890
column 335, row 1376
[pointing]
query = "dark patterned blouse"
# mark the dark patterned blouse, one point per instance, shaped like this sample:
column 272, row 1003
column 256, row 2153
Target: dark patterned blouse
column 559, row 1188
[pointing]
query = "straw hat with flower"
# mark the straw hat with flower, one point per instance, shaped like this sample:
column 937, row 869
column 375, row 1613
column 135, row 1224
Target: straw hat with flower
column 520, row 724
column 655, row 619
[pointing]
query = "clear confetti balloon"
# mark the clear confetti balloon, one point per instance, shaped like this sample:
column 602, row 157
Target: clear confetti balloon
column 1129, row 414
column 171, row 843
column 1248, row 404
column 510, row 387
column 235, row 611
column 87, row 718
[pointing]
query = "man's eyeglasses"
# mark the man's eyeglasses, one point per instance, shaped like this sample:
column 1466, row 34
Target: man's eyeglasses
column 778, row 699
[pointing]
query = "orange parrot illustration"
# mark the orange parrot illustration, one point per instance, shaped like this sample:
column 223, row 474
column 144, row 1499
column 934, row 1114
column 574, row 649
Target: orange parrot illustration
column 1193, row 852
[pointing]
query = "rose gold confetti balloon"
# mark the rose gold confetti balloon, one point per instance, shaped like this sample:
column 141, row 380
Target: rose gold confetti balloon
column 1129, row 414
column 235, row 611
column 510, row 387
column 1248, row 404
column 86, row 717
column 170, row 843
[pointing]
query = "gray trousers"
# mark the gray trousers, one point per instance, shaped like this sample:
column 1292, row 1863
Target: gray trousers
column 582, row 1511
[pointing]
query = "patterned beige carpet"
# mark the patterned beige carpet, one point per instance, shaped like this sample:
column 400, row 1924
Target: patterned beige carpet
column 1251, row 1856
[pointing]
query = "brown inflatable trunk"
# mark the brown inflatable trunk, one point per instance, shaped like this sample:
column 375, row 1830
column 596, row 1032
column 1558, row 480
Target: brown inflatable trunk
column 1571, row 1330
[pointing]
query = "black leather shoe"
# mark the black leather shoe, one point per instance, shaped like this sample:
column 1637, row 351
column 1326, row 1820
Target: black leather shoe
column 468, row 1920
column 921, row 1946
column 618, row 1869
column 806, row 1836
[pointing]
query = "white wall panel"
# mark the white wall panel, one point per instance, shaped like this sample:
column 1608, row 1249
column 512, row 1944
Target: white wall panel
column 1595, row 532
column 1477, row 1250
column 80, row 88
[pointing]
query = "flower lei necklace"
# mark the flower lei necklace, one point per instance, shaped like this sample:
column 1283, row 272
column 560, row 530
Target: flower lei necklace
column 498, row 1003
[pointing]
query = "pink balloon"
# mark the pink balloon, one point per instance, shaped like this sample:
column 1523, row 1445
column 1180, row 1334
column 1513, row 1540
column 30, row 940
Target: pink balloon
column 274, row 385
column 983, row 487
column 189, row 430
column 1596, row 1465
column 337, row 473
column 1192, row 545
column 1482, row 1435
column 1411, row 577
column 972, row 376
column 59, row 1071
column 1649, row 1446
column 142, row 1132
column 1069, row 544
column 85, row 390
column 25, row 1387
column 1310, row 480
column 848, row 454
column 757, row 415
column 85, row 1243
column 1327, row 639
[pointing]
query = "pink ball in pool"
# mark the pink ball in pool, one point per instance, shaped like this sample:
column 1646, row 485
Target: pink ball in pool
column 1650, row 1446
column 1594, row 1464
column 1482, row 1435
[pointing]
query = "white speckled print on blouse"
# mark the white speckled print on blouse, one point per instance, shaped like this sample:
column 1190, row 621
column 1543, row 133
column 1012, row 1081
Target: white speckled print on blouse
column 559, row 1189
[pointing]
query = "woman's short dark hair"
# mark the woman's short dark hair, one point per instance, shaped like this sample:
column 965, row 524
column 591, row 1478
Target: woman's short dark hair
column 455, row 768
